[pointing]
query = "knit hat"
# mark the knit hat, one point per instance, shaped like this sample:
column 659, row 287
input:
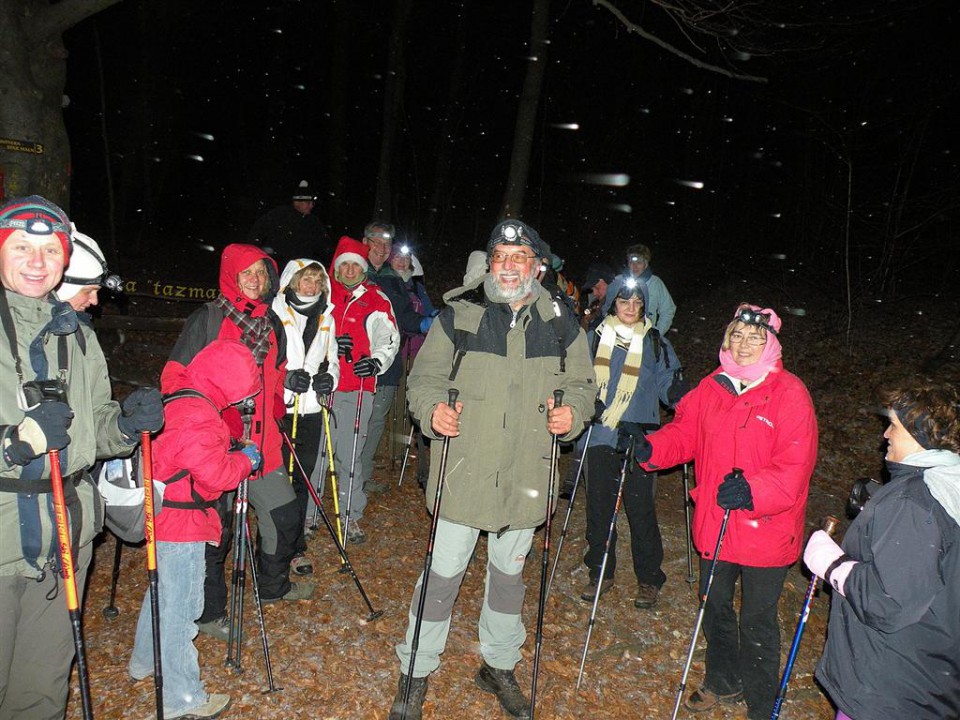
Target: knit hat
column 595, row 273
column 304, row 192
column 36, row 216
column 514, row 232
column 87, row 266
column 350, row 250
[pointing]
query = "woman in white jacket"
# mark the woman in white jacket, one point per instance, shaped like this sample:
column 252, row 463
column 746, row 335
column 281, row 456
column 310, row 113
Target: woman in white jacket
column 302, row 304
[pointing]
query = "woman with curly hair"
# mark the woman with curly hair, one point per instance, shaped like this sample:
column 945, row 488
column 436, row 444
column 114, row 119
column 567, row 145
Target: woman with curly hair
column 893, row 644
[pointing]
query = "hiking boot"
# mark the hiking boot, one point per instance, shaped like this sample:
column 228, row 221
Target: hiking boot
column 590, row 589
column 219, row 628
column 702, row 699
column 647, row 596
column 371, row 486
column 355, row 535
column 216, row 703
column 297, row 591
column 503, row 684
column 301, row 566
column 414, row 706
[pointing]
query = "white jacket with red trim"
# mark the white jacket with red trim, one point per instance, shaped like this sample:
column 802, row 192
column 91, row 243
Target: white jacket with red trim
column 366, row 315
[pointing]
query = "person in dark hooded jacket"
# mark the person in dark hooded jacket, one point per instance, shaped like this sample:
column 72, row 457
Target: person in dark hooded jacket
column 893, row 644
column 195, row 444
column 242, row 312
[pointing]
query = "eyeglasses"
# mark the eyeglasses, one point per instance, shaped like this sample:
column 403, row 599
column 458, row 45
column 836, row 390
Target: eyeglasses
column 751, row 340
column 517, row 258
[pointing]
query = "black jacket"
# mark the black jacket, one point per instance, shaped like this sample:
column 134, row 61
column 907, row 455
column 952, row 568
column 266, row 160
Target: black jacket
column 893, row 644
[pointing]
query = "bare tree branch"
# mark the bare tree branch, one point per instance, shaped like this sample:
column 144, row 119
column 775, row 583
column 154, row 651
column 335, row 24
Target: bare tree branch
column 634, row 28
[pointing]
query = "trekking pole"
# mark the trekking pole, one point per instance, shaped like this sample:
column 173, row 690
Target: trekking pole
column 320, row 473
column 70, row 580
column 374, row 614
column 406, row 455
column 573, row 495
column 545, row 558
column 111, row 611
column 700, row 611
column 686, row 517
column 353, row 459
column 606, row 555
column 293, row 434
column 829, row 525
column 333, row 482
column 149, row 527
column 247, row 410
column 428, row 558
column 259, row 605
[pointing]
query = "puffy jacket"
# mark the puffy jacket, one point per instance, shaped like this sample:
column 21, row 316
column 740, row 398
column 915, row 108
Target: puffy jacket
column 207, row 324
column 93, row 433
column 322, row 348
column 196, row 439
column 770, row 432
column 893, row 645
column 498, row 467
column 366, row 315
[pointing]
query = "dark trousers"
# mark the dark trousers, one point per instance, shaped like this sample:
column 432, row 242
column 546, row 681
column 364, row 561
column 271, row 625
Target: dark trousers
column 307, row 446
column 603, row 473
column 745, row 657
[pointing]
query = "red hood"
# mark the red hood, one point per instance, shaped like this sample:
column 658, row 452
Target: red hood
column 238, row 257
column 224, row 371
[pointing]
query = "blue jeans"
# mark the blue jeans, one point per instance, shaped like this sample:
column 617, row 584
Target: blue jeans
column 180, row 569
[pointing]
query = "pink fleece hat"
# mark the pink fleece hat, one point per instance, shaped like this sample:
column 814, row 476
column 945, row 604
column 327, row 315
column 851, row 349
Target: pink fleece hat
column 769, row 360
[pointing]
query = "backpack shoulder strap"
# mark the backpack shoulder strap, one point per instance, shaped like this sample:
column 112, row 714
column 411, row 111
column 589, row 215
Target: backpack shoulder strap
column 190, row 393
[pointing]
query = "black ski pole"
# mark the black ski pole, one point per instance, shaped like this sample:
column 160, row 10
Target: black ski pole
column 70, row 580
column 247, row 409
column 111, row 611
column 700, row 611
column 259, row 605
column 627, row 459
column 374, row 614
column 428, row 558
column 573, row 496
column 149, row 527
column 829, row 525
column 686, row 517
column 545, row 558
column 353, row 459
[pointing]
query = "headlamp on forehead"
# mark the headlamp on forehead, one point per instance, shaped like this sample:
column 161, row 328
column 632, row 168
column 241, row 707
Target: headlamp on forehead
column 511, row 233
column 381, row 234
column 36, row 225
column 758, row 319
column 106, row 279
column 405, row 250
column 630, row 288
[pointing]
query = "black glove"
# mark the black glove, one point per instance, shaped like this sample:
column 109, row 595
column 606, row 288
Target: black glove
column 142, row 411
column 598, row 408
column 344, row 345
column 297, row 381
column 367, row 367
column 678, row 388
column 43, row 429
column 734, row 492
column 642, row 450
column 323, row 383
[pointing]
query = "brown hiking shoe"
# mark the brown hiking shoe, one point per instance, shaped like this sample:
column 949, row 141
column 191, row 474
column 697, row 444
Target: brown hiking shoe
column 647, row 596
column 590, row 589
column 702, row 699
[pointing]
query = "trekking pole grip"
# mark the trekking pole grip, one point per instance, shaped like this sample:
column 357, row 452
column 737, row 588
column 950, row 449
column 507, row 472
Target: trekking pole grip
column 830, row 524
column 452, row 394
column 557, row 398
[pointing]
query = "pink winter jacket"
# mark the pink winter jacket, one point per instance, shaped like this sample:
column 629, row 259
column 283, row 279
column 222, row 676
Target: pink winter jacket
column 770, row 432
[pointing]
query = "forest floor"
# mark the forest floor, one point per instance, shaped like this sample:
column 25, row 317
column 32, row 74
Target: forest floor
column 332, row 663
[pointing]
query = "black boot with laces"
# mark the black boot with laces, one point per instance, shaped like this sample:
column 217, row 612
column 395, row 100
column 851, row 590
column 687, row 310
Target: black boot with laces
column 503, row 684
column 414, row 705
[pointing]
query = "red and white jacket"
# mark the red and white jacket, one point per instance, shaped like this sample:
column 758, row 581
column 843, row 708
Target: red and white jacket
column 770, row 432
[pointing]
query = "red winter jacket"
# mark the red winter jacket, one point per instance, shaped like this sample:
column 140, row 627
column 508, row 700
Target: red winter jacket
column 770, row 432
column 196, row 335
column 195, row 438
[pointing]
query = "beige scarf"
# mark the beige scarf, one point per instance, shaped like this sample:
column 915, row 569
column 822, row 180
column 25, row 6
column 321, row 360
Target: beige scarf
column 612, row 333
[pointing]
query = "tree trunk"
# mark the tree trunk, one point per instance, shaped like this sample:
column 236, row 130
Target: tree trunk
column 34, row 149
column 392, row 98
column 527, row 112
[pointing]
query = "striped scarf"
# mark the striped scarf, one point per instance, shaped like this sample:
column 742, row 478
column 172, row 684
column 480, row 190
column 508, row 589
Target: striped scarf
column 613, row 333
column 254, row 331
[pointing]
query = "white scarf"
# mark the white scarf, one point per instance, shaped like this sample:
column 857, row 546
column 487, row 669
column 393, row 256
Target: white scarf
column 613, row 332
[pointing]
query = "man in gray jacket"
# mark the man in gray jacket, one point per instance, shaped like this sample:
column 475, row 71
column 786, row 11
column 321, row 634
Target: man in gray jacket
column 54, row 395
column 506, row 345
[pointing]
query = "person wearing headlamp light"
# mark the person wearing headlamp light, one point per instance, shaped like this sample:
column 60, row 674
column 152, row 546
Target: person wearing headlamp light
column 660, row 307
column 86, row 274
column 751, row 428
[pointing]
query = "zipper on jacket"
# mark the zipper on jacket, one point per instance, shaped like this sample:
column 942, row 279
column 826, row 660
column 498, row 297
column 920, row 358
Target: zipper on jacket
column 513, row 323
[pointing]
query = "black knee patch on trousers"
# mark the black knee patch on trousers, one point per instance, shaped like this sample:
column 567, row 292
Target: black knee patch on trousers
column 506, row 591
column 441, row 594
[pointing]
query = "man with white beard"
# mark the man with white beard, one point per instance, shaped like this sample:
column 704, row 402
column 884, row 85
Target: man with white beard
column 506, row 345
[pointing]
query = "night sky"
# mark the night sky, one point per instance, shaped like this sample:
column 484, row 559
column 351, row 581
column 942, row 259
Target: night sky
column 215, row 110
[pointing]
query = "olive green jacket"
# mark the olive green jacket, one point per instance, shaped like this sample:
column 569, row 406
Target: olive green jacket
column 497, row 469
column 93, row 433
